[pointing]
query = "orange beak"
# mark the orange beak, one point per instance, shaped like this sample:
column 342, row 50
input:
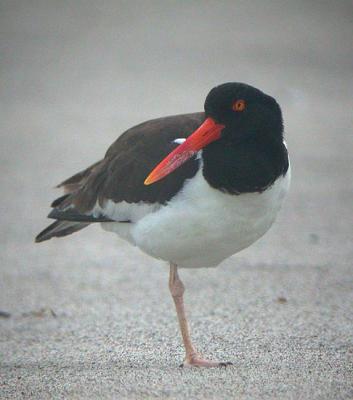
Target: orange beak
column 205, row 134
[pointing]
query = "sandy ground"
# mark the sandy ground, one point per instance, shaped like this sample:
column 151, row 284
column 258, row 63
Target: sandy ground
column 90, row 316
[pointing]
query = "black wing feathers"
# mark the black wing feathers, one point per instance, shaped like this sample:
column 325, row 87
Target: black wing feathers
column 59, row 229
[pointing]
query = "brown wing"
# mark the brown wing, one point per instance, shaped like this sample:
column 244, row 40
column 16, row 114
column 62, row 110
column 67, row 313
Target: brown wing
column 120, row 175
column 76, row 181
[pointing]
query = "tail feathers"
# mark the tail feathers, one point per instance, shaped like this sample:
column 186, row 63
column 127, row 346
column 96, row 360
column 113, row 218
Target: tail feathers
column 57, row 202
column 59, row 229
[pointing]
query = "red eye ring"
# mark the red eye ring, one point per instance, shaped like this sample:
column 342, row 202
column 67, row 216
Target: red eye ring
column 239, row 105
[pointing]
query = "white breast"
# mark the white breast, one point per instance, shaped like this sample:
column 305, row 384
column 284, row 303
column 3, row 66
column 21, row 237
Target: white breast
column 202, row 226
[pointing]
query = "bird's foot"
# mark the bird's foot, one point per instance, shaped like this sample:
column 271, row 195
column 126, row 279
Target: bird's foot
column 198, row 361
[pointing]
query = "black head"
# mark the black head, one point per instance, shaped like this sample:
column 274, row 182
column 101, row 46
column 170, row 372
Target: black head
column 241, row 140
column 245, row 111
column 250, row 154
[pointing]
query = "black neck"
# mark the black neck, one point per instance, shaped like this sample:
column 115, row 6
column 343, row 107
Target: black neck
column 245, row 167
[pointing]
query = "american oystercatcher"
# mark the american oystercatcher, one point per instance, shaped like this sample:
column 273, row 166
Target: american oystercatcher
column 221, row 178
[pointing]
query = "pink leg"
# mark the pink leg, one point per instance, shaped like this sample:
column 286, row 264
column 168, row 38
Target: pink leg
column 192, row 358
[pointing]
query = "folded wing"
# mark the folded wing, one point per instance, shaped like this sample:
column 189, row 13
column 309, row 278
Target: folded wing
column 113, row 189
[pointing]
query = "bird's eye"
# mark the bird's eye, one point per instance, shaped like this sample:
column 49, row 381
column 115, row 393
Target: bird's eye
column 239, row 105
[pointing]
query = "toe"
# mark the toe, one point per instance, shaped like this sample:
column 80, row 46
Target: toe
column 200, row 362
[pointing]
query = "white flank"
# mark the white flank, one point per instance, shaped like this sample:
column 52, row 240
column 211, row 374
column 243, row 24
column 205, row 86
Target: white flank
column 123, row 211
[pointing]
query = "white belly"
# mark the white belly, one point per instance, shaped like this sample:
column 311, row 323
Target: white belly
column 202, row 226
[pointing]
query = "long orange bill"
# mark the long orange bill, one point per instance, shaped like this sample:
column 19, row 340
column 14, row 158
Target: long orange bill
column 205, row 134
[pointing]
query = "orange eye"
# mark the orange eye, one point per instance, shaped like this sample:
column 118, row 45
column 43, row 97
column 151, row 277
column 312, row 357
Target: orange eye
column 239, row 105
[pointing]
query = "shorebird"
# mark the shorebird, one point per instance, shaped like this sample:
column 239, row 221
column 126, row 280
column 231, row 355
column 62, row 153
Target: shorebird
column 189, row 189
